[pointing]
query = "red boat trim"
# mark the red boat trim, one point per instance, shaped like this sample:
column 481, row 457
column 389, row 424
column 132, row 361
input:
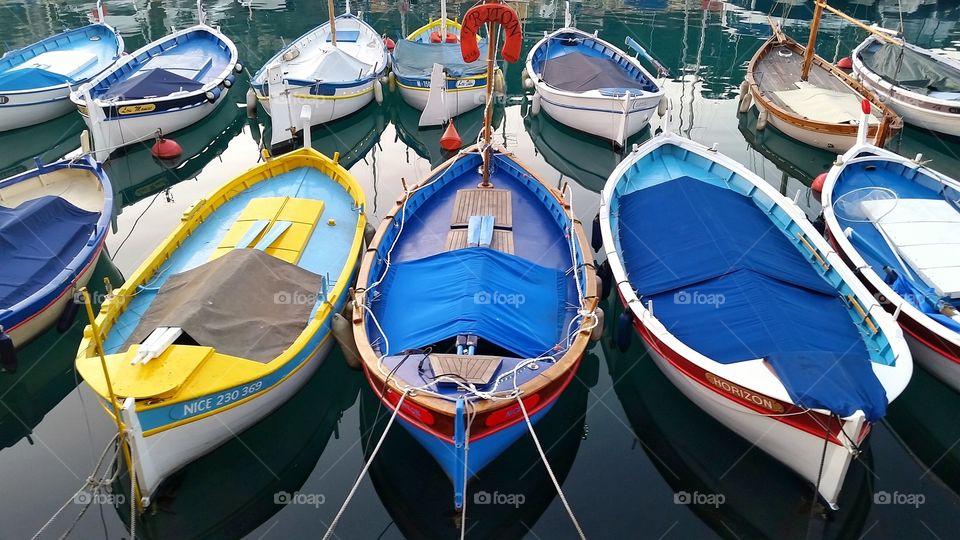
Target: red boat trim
column 93, row 260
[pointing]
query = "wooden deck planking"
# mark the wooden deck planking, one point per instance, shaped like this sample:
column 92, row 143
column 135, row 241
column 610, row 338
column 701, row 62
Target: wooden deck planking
column 502, row 240
column 774, row 73
column 476, row 369
column 483, row 202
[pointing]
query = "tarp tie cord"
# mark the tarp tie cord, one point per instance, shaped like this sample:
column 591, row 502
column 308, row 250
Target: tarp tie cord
column 366, row 466
column 553, row 477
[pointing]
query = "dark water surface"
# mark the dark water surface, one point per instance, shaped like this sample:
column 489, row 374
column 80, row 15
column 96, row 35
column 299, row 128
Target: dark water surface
column 627, row 446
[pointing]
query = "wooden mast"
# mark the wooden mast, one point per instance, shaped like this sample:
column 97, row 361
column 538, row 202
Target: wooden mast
column 812, row 42
column 333, row 25
column 488, row 109
column 879, row 33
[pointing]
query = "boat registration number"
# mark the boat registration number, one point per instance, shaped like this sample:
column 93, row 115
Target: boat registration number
column 209, row 403
column 4, row 100
column 137, row 109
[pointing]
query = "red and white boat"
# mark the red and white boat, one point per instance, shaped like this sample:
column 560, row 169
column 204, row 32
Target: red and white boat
column 897, row 223
column 747, row 309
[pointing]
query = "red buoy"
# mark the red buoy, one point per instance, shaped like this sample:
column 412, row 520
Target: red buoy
column 390, row 44
column 451, row 140
column 817, row 185
column 166, row 149
column 845, row 63
column 865, row 106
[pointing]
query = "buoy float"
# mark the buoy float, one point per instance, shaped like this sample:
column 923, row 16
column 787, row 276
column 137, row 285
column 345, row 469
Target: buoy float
column 663, row 105
column 596, row 242
column 535, row 104
column 606, row 279
column 597, row 331
column 67, row 316
column 451, row 141
column 435, row 37
column 368, row 233
column 166, row 149
column 499, row 85
column 762, row 120
column 817, row 185
column 845, row 63
column 8, row 353
column 378, row 92
column 392, row 82
column 343, row 333
column 624, row 333
column 528, row 83
column 251, row 103
column 389, row 44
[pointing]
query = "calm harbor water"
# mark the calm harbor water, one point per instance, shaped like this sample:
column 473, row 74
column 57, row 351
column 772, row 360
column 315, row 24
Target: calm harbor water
column 630, row 450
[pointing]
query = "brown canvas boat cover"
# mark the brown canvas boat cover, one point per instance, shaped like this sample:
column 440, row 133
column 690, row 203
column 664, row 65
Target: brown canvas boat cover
column 906, row 67
column 578, row 72
column 246, row 303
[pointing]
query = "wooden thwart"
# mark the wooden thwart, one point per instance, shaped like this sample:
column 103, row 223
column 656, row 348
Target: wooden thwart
column 459, row 239
column 483, row 202
column 477, row 369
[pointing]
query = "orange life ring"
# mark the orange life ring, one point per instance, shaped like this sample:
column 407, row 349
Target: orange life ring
column 495, row 13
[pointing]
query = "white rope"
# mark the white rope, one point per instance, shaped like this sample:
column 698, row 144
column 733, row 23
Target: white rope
column 366, row 466
column 543, row 456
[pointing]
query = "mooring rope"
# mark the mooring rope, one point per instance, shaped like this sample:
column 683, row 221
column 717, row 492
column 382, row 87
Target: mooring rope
column 366, row 466
column 553, row 477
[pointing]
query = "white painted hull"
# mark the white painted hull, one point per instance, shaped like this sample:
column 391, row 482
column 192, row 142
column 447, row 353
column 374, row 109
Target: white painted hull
column 939, row 366
column 48, row 317
column 122, row 132
column 827, row 141
column 456, row 103
column 160, row 455
column 793, row 447
column 939, row 121
column 350, row 100
column 27, row 109
column 599, row 116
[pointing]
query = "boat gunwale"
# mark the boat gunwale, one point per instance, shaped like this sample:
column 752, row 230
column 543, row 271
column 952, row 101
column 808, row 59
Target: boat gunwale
column 888, row 117
column 861, row 69
column 561, row 372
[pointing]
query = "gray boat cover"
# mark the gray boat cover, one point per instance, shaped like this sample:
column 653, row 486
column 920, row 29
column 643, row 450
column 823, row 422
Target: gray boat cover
column 578, row 72
column 245, row 303
column 412, row 59
column 914, row 70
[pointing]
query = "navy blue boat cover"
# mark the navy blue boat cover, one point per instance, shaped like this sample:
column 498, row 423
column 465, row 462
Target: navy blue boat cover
column 499, row 297
column 38, row 240
column 154, row 83
column 728, row 283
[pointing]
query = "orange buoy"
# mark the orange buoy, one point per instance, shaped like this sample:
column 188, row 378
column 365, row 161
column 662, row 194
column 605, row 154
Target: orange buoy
column 166, row 149
column 451, row 140
column 817, row 185
column 390, row 44
column 845, row 63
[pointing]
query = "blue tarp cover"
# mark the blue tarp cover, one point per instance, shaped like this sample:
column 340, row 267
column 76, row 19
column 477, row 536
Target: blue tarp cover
column 501, row 298
column 728, row 283
column 154, row 83
column 414, row 59
column 38, row 240
column 29, row 78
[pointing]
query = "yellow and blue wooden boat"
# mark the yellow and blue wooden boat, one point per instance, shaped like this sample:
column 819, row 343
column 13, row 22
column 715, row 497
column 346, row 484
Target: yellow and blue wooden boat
column 231, row 315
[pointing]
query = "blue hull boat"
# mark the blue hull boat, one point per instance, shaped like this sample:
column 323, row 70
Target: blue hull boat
column 35, row 81
column 747, row 309
column 53, row 222
column 162, row 87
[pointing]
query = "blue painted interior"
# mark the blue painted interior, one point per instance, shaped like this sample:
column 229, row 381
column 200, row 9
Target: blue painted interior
column 326, row 252
column 105, row 44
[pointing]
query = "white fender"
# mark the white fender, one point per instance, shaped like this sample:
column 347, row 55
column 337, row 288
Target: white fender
column 535, row 104
column 762, row 120
column 378, row 91
column 662, row 106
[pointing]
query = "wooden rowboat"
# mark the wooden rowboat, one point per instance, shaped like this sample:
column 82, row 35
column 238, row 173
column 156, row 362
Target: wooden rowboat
column 808, row 98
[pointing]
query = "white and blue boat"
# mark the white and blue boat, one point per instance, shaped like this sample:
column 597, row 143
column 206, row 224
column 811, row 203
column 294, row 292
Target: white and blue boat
column 746, row 308
column 592, row 86
column 53, row 222
column 230, row 315
column 162, row 87
column 330, row 72
column 898, row 223
column 35, row 81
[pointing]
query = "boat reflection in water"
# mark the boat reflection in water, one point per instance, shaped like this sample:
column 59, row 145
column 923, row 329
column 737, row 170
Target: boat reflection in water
column 136, row 174
column 795, row 159
column 49, row 141
column 45, row 373
column 426, row 141
column 353, row 137
column 233, row 490
column 926, row 418
column 517, row 478
column 743, row 492
column 587, row 160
